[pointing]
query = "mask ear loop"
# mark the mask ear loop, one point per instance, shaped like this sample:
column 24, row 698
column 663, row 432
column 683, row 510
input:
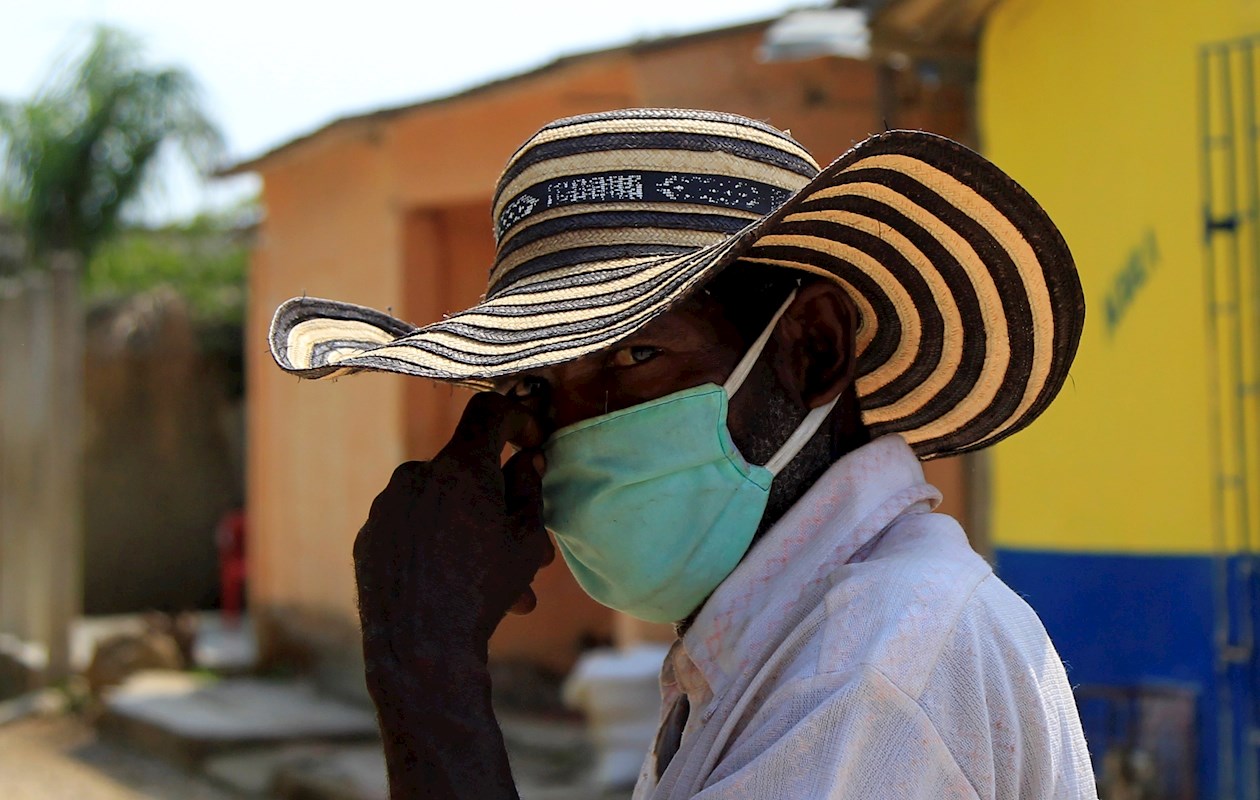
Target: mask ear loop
column 809, row 426
column 745, row 365
column 813, row 420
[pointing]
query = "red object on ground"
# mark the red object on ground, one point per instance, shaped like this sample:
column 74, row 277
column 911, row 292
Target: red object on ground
column 230, row 538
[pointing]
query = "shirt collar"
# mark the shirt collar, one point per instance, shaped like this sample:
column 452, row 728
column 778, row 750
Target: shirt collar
column 783, row 577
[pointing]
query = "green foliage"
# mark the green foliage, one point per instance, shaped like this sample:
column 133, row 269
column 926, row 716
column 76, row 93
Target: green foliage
column 205, row 260
column 76, row 153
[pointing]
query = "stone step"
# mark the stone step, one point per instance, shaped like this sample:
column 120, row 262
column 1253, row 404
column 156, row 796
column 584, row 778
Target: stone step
column 281, row 739
column 305, row 771
column 187, row 717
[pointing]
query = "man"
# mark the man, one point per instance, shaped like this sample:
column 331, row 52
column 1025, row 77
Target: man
column 718, row 365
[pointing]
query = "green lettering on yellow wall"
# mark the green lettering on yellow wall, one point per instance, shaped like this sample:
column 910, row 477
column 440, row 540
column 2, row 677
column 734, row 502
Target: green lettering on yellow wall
column 1129, row 281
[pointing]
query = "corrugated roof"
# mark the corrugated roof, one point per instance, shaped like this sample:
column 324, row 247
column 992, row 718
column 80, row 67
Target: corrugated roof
column 925, row 22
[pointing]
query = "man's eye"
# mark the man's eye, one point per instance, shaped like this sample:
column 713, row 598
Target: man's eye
column 635, row 354
column 527, row 387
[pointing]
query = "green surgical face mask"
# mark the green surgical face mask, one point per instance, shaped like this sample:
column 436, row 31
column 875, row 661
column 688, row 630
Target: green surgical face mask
column 653, row 506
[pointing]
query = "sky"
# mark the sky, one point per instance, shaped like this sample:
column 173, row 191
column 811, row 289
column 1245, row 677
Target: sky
column 272, row 70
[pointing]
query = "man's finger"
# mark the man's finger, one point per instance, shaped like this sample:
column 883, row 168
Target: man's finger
column 488, row 422
column 522, row 489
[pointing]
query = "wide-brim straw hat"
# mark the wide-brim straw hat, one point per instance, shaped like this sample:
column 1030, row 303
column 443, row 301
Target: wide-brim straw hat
column 969, row 302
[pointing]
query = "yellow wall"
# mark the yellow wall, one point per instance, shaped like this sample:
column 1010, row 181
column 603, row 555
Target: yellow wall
column 1094, row 107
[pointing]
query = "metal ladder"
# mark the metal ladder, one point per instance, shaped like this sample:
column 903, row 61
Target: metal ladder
column 1230, row 170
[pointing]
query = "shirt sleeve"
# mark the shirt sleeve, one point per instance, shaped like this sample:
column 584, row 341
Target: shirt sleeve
column 853, row 736
column 993, row 717
column 1000, row 700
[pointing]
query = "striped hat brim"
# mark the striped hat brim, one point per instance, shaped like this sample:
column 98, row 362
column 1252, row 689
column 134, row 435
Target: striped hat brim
column 970, row 307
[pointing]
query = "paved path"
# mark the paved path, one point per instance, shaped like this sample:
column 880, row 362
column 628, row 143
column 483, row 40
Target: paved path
column 60, row 757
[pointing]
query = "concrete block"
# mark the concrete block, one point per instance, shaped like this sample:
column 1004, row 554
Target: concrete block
column 342, row 773
column 186, row 717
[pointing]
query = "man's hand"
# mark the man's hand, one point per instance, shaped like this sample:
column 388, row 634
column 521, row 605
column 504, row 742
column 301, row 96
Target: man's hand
column 452, row 544
column 449, row 547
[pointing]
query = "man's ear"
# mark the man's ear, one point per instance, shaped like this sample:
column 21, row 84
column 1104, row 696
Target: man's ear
column 814, row 343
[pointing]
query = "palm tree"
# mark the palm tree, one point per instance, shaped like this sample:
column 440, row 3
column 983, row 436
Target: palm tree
column 76, row 153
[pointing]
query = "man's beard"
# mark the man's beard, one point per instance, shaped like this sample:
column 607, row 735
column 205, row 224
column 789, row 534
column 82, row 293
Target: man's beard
column 777, row 418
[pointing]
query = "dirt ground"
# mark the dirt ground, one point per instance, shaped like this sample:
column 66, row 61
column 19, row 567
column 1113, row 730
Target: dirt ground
column 61, row 758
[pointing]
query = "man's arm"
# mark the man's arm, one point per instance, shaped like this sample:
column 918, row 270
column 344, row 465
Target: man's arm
column 449, row 547
column 440, row 735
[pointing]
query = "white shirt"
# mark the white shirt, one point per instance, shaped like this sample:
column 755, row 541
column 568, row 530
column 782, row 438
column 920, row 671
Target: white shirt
column 862, row 649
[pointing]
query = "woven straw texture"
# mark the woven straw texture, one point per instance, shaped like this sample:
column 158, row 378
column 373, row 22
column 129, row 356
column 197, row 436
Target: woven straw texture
column 970, row 305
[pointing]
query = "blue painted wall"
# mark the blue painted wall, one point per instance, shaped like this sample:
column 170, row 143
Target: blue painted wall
column 1138, row 621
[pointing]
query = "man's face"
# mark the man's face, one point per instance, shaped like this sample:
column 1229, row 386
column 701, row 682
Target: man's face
column 806, row 363
column 692, row 344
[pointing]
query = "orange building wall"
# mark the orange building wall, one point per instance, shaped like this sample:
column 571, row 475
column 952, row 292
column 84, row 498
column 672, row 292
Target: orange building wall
column 828, row 104
column 393, row 212
column 392, row 215
column 453, row 152
column 318, row 452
